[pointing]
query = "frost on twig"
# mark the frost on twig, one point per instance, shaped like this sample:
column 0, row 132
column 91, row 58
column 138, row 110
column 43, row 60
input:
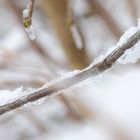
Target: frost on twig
column 7, row 96
column 27, row 19
column 55, row 87
column 130, row 56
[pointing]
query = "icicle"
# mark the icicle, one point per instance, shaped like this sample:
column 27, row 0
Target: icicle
column 25, row 13
column 27, row 22
column 30, row 32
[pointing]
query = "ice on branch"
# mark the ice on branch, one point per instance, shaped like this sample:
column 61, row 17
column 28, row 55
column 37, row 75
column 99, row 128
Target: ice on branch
column 30, row 32
column 27, row 22
column 131, row 31
column 7, row 96
column 130, row 56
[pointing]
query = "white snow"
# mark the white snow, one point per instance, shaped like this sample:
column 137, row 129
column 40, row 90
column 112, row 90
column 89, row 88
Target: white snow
column 114, row 95
column 25, row 13
column 127, row 34
column 130, row 56
column 7, row 96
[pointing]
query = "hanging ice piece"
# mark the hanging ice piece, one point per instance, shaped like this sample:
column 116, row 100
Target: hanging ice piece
column 27, row 21
column 30, row 32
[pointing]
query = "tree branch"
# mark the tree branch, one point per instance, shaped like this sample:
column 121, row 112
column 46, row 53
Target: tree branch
column 55, row 87
column 27, row 14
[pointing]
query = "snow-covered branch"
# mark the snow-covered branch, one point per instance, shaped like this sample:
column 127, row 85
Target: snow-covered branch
column 56, row 86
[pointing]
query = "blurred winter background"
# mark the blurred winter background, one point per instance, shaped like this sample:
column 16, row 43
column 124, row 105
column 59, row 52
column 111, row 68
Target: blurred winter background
column 69, row 35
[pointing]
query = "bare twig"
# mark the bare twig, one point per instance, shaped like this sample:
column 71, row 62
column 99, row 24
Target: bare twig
column 67, row 82
column 27, row 18
column 42, row 53
column 33, row 44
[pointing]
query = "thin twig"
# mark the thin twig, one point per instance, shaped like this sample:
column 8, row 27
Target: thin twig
column 43, row 54
column 27, row 18
column 34, row 44
column 67, row 82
